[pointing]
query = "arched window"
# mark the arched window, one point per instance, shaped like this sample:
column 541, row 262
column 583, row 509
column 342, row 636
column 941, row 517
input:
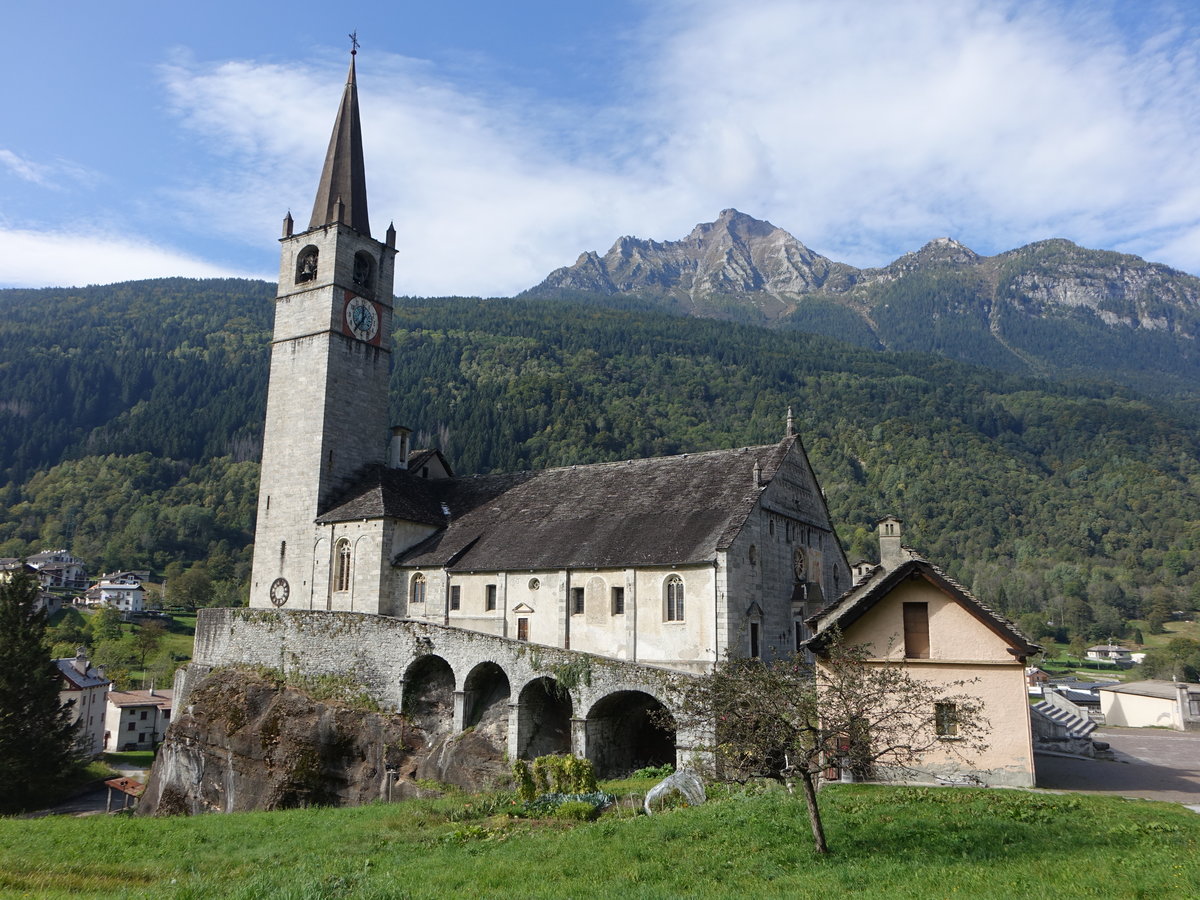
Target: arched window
column 341, row 566
column 364, row 267
column 418, row 589
column 306, row 264
column 673, row 599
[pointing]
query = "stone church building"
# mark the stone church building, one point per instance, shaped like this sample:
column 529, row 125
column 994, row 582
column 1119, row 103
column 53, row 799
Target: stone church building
column 671, row 562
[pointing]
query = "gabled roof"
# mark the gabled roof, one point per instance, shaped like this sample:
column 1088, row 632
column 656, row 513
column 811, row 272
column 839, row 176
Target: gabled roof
column 418, row 458
column 666, row 511
column 851, row 606
column 80, row 680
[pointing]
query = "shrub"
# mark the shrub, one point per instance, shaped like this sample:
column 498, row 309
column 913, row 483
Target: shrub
column 576, row 811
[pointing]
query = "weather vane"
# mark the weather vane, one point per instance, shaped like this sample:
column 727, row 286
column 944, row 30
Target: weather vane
column 353, row 42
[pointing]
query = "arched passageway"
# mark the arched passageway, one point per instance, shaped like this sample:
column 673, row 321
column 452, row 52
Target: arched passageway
column 429, row 695
column 623, row 734
column 486, row 691
column 543, row 719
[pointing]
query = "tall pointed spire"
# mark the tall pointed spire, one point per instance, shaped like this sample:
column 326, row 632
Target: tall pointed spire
column 344, row 180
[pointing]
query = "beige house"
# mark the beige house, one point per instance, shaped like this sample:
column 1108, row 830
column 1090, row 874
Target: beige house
column 84, row 688
column 1153, row 703
column 908, row 611
column 136, row 720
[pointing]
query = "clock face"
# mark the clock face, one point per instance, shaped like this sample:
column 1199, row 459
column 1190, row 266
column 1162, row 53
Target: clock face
column 362, row 320
column 280, row 591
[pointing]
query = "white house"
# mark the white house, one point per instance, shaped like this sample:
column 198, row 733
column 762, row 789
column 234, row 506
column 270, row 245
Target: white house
column 1153, row 703
column 1111, row 652
column 136, row 720
column 128, row 596
column 84, row 688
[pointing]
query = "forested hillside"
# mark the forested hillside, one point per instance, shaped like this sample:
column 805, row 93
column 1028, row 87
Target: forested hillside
column 1081, row 500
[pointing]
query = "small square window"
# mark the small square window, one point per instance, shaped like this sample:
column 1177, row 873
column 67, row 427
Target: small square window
column 946, row 719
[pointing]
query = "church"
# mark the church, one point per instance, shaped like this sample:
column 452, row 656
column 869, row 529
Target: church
column 671, row 562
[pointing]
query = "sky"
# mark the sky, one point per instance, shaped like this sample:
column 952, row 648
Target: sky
column 142, row 140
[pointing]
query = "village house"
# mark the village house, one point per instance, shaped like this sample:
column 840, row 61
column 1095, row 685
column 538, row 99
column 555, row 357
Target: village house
column 58, row 570
column 1111, row 653
column 126, row 595
column 84, row 690
column 136, row 720
column 908, row 612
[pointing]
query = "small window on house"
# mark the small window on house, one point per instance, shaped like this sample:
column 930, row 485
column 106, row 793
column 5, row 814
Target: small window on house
column 577, row 601
column 341, row 566
column 455, row 597
column 618, row 601
column 489, row 598
column 143, row 715
column 534, row 584
column 306, row 264
column 522, row 629
column 916, row 630
column 418, row 588
column 132, row 726
column 282, row 549
column 673, row 599
column 755, row 649
column 1194, row 706
column 945, row 718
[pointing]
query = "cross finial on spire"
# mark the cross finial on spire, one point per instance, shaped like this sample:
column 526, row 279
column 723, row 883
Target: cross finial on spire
column 353, row 42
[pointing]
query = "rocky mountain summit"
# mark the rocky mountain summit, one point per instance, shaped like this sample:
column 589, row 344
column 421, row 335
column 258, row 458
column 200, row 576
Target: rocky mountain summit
column 1051, row 307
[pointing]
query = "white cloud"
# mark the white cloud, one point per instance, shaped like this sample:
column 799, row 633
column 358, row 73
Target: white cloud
column 69, row 259
column 43, row 174
column 865, row 129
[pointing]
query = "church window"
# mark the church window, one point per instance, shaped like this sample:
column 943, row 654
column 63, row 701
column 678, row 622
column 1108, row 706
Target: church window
column 618, row 601
column 363, row 264
column 916, row 630
column 755, row 649
column 771, row 526
column 674, row 599
column 753, row 555
column 418, row 588
column 534, row 584
column 577, row 601
column 306, row 264
column 945, row 716
column 282, row 549
column 455, row 597
column 489, row 601
column 341, row 571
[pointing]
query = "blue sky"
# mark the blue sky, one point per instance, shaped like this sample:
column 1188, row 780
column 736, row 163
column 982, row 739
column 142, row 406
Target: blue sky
column 142, row 139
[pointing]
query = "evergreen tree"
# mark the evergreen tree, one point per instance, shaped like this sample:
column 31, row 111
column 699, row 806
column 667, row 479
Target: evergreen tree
column 37, row 736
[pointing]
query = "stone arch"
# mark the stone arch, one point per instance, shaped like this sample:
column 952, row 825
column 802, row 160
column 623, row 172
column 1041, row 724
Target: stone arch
column 486, row 692
column 544, row 713
column 364, row 271
column 306, row 264
column 623, row 735
column 429, row 694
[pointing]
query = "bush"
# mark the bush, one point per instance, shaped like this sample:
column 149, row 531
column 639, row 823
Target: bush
column 576, row 811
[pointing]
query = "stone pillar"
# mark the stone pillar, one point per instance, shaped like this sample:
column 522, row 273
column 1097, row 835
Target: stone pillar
column 631, row 615
column 516, row 712
column 579, row 745
column 460, row 710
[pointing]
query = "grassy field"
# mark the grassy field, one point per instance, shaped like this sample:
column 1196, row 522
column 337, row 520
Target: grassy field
column 887, row 842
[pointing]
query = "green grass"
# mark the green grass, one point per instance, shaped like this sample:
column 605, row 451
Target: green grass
column 142, row 759
column 887, row 842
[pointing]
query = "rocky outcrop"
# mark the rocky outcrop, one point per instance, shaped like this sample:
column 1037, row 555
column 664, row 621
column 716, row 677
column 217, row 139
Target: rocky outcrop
column 247, row 741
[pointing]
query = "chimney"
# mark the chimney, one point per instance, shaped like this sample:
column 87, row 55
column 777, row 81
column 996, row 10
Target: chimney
column 398, row 448
column 791, row 423
column 757, row 474
column 890, row 552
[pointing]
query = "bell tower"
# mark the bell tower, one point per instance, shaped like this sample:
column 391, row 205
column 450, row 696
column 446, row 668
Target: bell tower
column 327, row 399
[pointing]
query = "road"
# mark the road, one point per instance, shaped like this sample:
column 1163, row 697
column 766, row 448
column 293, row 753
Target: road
column 1152, row 763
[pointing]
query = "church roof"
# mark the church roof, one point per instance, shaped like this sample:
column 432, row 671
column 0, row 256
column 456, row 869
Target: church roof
column 852, row 605
column 669, row 510
column 344, row 176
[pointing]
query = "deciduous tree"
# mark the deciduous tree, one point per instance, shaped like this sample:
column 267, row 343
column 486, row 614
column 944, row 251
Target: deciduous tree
column 788, row 719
